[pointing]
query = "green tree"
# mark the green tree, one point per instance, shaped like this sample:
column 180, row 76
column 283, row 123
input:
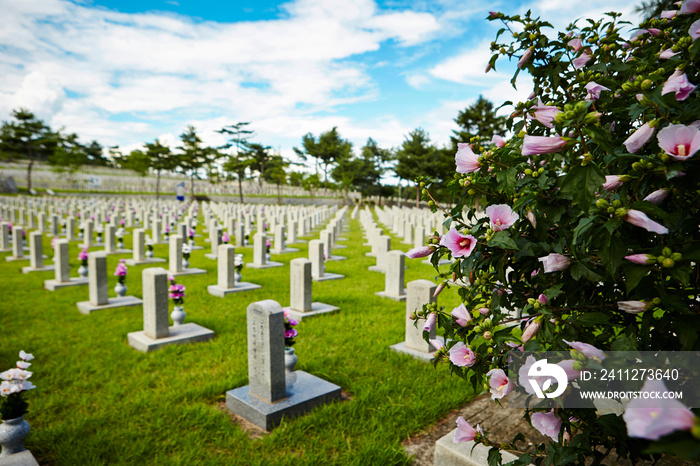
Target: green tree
column 478, row 120
column 27, row 138
column 260, row 159
column 311, row 183
column 160, row 158
column 415, row 158
column 68, row 156
column 329, row 148
column 275, row 173
column 239, row 161
column 94, row 155
column 193, row 155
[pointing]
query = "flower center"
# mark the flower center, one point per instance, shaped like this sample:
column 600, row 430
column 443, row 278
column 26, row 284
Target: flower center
column 497, row 222
column 681, row 150
column 464, row 243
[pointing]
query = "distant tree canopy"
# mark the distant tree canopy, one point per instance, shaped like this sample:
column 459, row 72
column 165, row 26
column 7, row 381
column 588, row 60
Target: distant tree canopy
column 27, row 138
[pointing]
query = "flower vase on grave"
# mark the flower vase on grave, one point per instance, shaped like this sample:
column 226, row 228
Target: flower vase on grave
column 149, row 251
column 12, row 435
column 290, row 362
column 99, row 238
column 185, row 262
column 120, row 289
column 178, row 315
column 83, row 271
column 120, row 244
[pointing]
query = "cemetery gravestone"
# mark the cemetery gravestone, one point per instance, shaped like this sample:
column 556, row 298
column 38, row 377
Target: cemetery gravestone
column 156, row 333
column 62, row 268
column 267, row 399
column 227, row 274
column 301, row 302
column 98, row 288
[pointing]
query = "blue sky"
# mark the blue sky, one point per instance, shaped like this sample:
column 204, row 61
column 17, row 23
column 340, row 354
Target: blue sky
column 128, row 72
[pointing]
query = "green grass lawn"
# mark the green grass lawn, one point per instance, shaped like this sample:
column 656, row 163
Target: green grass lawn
column 98, row 401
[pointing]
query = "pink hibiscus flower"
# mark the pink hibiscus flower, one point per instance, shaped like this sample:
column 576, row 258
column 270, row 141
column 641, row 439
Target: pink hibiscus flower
column 501, row 216
column 459, row 245
column 465, row 159
column 679, row 141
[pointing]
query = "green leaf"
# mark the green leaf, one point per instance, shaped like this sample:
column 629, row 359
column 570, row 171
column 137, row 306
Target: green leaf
column 633, row 274
column 494, row 458
column 578, row 271
column 624, row 343
column 583, row 225
column 502, row 239
column 581, row 183
column 589, row 319
column 682, row 274
column 553, row 291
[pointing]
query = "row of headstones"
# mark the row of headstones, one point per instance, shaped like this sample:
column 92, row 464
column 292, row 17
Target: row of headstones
column 302, row 272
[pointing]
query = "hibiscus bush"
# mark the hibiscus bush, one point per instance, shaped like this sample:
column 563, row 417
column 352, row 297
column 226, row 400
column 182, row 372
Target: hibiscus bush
column 580, row 232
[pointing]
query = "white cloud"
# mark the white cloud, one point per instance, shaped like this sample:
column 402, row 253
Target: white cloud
column 150, row 64
column 418, row 80
column 469, row 67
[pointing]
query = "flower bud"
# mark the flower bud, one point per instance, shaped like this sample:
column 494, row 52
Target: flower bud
column 676, row 256
column 487, row 335
column 646, row 84
column 666, row 251
column 602, row 204
column 668, row 263
column 621, row 212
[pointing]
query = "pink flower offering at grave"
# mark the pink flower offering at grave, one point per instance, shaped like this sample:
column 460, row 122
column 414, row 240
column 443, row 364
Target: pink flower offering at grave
column 225, row 238
column 83, row 255
column 459, row 245
column 121, row 269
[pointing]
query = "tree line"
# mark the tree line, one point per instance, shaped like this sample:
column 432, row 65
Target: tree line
column 337, row 165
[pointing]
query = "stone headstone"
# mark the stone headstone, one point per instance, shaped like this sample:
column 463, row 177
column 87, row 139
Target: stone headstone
column 226, row 268
column 61, row 262
column 5, row 237
column 394, row 276
column 318, row 263
column 156, row 333
column 419, row 292
column 267, row 398
column 36, row 254
column 260, row 253
column 98, row 289
column 301, row 302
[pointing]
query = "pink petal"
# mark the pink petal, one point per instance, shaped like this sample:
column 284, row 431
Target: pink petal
column 638, row 138
column 640, row 219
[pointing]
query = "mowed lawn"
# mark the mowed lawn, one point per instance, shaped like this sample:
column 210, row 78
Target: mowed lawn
column 98, row 401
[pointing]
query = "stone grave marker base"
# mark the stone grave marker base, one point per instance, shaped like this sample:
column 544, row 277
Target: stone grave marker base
column 215, row 290
column 12, row 258
column 146, row 260
column 374, row 268
column 307, row 392
column 448, row 453
column 46, row 268
column 335, row 258
column 268, row 265
column 118, row 251
column 23, row 458
column 86, row 307
column 6, row 250
column 188, row 271
column 211, row 256
column 422, row 355
column 327, row 276
column 283, row 251
column 340, row 246
column 316, row 309
column 53, row 285
column 178, row 334
column 384, row 294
